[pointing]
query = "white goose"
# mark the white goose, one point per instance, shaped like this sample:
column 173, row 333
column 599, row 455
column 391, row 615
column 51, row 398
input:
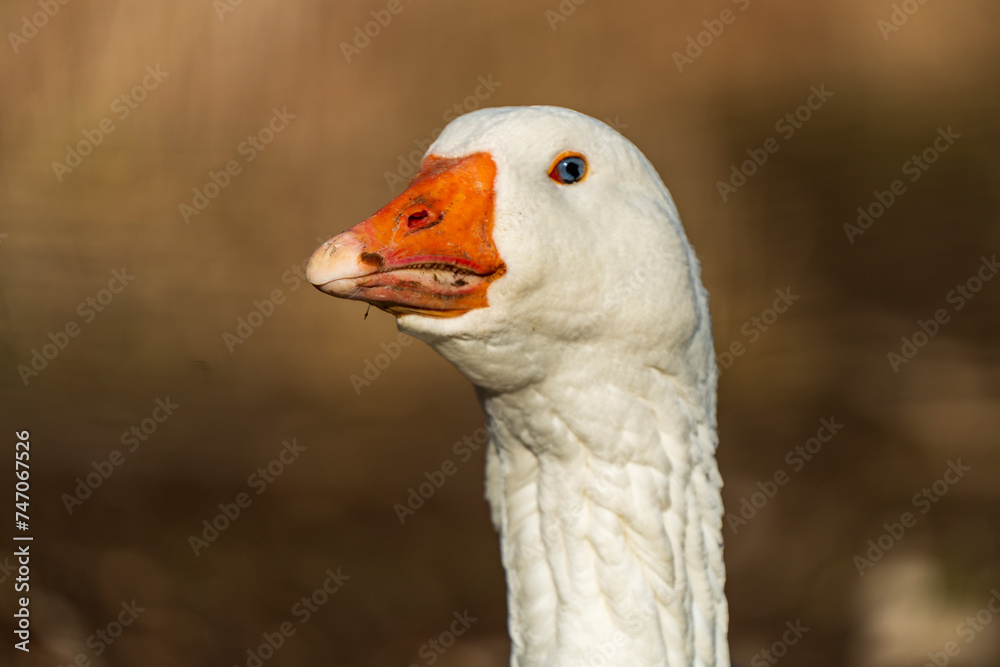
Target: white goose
column 539, row 252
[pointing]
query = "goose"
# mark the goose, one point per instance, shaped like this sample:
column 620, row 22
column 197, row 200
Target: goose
column 539, row 252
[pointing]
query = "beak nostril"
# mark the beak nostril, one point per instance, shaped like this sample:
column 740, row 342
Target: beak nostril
column 416, row 219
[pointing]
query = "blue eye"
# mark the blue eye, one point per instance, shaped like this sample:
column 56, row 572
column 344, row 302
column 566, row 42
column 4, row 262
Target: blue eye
column 569, row 169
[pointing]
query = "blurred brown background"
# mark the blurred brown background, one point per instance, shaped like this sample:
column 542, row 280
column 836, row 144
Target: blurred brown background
column 224, row 69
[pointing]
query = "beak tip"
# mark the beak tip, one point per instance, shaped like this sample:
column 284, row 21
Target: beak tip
column 316, row 265
column 337, row 259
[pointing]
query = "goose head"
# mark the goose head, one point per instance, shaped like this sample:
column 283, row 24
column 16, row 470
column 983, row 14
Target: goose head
column 539, row 252
column 527, row 231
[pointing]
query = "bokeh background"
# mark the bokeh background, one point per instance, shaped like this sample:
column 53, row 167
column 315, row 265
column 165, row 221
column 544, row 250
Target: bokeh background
column 357, row 118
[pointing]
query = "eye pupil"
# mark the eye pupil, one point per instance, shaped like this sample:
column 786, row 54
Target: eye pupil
column 571, row 169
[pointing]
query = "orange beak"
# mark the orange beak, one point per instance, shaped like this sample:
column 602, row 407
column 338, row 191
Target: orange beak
column 429, row 251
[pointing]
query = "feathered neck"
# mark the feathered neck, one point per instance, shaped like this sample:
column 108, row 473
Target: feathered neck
column 604, row 488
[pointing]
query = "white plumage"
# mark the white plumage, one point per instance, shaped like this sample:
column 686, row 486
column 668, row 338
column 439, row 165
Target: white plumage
column 593, row 359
